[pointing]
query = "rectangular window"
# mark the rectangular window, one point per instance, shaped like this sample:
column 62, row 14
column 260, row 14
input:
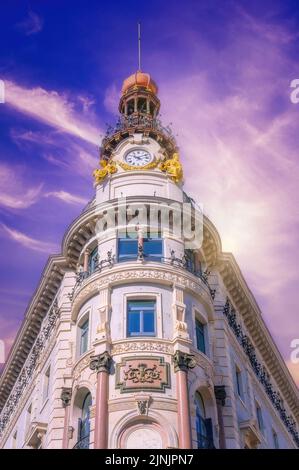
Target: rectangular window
column 259, row 417
column 128, row 249
column 275, row 439
column 239, row 385
column 14, row 440
column 84, row 330
column 28, row 418
column 46, row 385
column 141, row 317
column 200, row 336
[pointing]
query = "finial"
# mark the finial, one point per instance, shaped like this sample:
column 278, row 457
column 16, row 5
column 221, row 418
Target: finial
column 139, row 47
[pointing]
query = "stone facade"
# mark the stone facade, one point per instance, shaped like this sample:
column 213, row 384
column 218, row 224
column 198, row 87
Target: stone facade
column 206, row 374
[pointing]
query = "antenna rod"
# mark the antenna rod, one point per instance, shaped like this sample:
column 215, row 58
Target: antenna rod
column 139, row 48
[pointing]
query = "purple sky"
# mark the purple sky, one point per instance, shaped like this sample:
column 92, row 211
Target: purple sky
column 224, row 70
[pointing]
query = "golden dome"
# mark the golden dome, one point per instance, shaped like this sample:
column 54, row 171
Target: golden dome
column 139, row 79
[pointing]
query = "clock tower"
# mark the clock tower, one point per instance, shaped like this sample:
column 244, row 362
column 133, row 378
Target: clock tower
column 138, row 152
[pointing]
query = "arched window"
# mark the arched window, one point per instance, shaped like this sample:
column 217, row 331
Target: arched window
column 204, row 431
column 84, row 424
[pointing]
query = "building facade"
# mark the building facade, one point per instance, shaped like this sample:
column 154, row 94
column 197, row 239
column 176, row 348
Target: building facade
column 143, row 333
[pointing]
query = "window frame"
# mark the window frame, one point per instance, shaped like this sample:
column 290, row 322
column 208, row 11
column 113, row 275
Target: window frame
column 202, row 331
column 141, row 312
column 134, row 241
column 239, row 382
column 147, row 295
column 259, row 417
column 46, row 384
column 275, row 439
column 84, row 318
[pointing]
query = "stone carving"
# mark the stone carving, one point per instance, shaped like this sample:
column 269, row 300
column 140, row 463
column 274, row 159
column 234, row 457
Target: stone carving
column 142, row 346
column 183, row 361
column 142, row 373
column 66, row 395
column 81, row 365
column 132, row 274
column 220, row 394
column 101, row 362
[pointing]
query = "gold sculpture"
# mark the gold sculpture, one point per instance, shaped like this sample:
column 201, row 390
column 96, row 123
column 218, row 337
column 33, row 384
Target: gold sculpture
column 107, row 169
column 173, row 167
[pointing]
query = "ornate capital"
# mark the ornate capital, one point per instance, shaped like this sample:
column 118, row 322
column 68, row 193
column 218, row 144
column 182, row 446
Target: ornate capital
column 101, row 362
column 66, row 395
column 183, row 361
column 220, row 394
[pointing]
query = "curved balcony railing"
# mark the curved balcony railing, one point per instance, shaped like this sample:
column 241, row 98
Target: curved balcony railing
column 173, row 261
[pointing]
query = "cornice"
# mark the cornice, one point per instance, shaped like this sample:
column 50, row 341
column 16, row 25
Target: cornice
column 36, row 311
column 245, row 303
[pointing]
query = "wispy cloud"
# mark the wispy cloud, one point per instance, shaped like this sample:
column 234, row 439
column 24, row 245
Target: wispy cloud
column 67, row 197
column 52, row 108
column 28, row 242
column 32, row 24
column 14, row 194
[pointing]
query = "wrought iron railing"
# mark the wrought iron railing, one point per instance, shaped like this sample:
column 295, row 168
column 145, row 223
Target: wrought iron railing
column 172, row 260
column 260, row 370
column 83, row 443
column 138, row 120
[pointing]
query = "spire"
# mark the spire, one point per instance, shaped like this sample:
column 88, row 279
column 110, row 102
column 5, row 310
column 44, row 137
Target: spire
column 139, row 47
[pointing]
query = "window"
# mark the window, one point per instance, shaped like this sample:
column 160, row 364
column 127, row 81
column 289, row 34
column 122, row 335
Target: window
column 46, row 385
column 275, row 439
column 84, row 330
column 128, row 249
column 141, row 317
column 192, row 262
column 28, row 418
column 200, row 336
column 84, row 424
column 14, row 440
column 93, row 261
column 204, row 429
column 239, row 386
column 259, row 418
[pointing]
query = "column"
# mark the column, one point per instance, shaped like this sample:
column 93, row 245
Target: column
column 101, row 364
column 85, row 261
column 220, row 395
column 66, row 396
column 183, row 362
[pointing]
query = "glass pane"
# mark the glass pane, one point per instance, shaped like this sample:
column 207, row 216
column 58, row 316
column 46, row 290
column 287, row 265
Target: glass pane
column 152, row 248
column 133, row 323
column 148, row 322
column 84, row 337
column 200, row 338
column 127, row 249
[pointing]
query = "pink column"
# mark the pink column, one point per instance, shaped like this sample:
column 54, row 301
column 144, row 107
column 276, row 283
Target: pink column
column 101, row 364
column 183, row 362
column 66, row 396
column 85, row 261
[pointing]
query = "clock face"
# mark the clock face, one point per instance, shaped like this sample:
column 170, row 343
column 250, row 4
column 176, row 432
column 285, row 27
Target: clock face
column 138, row 158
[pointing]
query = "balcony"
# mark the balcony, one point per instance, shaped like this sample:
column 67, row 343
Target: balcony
column 110, row 261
